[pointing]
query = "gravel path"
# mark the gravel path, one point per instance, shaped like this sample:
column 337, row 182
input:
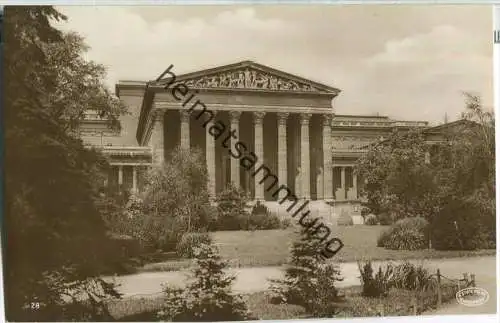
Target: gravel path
column 255, row 279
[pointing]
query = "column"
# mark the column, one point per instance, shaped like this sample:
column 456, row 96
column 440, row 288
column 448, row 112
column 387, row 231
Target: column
column 134, row 179
column 258, row 119
column 120, row 175
column 210, row 156
column 355, row 183
column 305, row 158
column 185, row 118
column 235, row 162
column 342, row 182
column 156, row 140
column 106, row 179
column 282, row 149
column 327, row 158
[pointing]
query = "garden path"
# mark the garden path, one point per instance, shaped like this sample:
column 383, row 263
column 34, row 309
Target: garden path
column 255, row 279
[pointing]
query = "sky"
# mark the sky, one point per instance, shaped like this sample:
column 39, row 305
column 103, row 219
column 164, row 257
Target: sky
column 406, row 62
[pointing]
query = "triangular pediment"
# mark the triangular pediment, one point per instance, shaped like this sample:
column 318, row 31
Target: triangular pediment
column 249, row 75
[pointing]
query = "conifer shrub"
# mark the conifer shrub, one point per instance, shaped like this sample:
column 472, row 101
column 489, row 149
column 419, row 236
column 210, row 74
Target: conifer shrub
column 309, row 281
column 208, row 297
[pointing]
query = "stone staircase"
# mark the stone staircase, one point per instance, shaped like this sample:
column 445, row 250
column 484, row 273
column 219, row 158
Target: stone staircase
column 329, row 213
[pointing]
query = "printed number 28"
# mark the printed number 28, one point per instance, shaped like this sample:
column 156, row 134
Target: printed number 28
column 35, row 305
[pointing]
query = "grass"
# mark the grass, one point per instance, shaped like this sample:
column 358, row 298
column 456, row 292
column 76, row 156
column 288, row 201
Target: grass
column 271, row 248
column 397, row 303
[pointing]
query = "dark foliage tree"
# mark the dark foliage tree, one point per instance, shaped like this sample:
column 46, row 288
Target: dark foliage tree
column 453, row 187
column 53, row 231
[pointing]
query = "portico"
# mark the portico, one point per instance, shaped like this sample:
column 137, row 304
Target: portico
column 284, row 120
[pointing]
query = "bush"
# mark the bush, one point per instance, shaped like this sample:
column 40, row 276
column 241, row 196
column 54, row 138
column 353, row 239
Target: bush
column 259, row 209
column 231, row 213
column 344, row 218
column 365, row 211
column 411, row 277
column 377, row 286
column 286, row 223
column 462, row 226
column 264, row 222
column 371, row 219
column 385, row 219
column 405, row 276
column 309, row 282
column 405, row 234
column 190, row 241
column 208, row 297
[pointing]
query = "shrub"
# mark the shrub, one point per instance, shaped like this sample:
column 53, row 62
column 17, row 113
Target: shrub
column 405, row 234
column 285, row 223
column 259, row 209
column 371, row 219
column 385, row 219
column 231, row 213
column 344, row 218
column 374, row 286
column 411, row 277
column 261, row 221
column 404, row 276
column 365, row 211
column 309, row 282
column 208, row 296
column 190, row 241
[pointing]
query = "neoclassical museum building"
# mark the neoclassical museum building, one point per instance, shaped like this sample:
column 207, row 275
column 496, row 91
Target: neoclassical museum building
column 288, row 122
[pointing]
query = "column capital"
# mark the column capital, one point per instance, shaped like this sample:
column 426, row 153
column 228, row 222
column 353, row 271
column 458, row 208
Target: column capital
column 258, row 117
column 327, row 120
column 184, row 115
column 234, row 116
column 282, row 117
column 304, row 118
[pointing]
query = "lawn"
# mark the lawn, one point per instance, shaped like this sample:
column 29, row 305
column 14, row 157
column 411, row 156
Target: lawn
column 271, row 248
column 398, row 303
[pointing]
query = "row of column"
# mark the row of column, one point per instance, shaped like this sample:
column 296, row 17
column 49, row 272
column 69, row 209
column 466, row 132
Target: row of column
column 120, row 177
column 343, row 193
column 258, row 117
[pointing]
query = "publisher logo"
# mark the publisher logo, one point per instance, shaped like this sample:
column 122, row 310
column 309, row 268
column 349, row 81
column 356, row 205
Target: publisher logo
column 472, row 296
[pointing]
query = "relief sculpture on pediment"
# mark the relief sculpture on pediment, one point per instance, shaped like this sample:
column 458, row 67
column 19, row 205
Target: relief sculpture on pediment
column 249, row 79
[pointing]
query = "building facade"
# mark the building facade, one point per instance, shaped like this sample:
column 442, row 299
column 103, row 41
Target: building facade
column 287, row 122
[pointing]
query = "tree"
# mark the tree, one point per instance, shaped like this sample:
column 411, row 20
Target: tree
column 208, row 297
column 399, row 181
column 454, row 189
column 309, row 281
column 467, row 219
column 54, row 232
column 175, row 199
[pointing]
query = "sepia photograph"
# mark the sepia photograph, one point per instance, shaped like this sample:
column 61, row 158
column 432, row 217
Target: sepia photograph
column 203, row 163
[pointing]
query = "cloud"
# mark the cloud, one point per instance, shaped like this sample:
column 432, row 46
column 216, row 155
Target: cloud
column 132, row 48
column 415, row 72
column 431, row 70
